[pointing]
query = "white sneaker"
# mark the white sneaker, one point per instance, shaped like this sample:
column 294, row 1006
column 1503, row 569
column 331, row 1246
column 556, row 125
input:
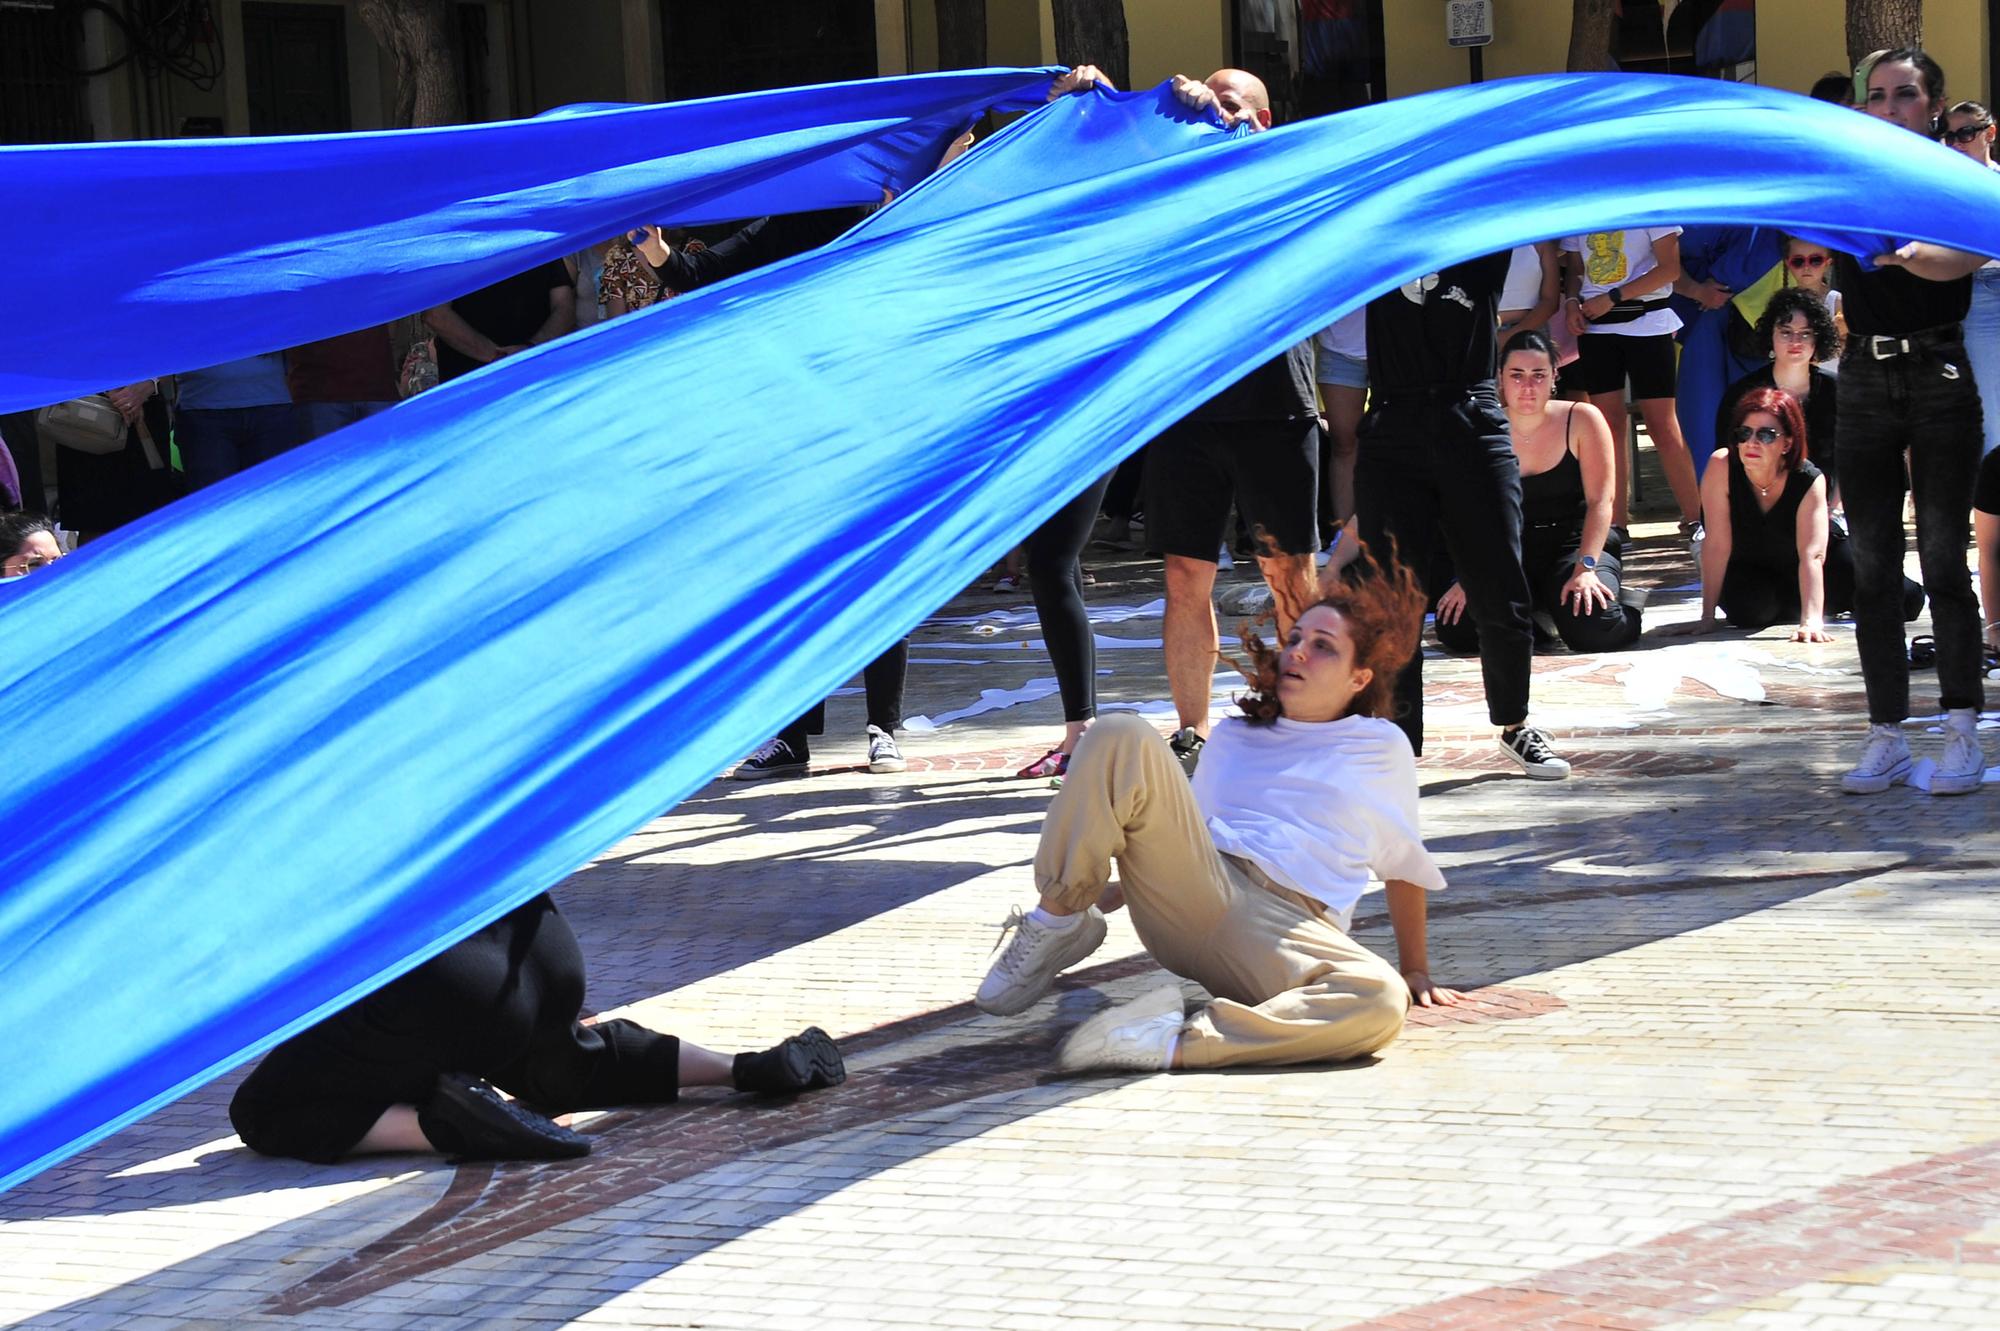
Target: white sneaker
column 1530, row 748
column 1885, row 762
column 1963, row 765
column 883, row 755
column 1139, row 1036
column 1028, row 962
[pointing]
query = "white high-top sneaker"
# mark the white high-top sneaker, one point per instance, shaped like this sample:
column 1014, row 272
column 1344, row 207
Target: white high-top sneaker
column 1885, row 762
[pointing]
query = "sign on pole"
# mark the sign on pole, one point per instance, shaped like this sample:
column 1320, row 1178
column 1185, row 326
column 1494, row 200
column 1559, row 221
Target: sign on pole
column 1468, row 22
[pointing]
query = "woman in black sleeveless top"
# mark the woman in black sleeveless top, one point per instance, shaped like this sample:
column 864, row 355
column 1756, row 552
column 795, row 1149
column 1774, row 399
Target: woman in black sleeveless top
column 1569, row 549
column 1767, row 557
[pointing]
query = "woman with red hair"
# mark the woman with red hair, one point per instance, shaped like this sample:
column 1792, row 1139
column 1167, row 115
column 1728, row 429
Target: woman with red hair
column 1767, row 557
column 1246, row 881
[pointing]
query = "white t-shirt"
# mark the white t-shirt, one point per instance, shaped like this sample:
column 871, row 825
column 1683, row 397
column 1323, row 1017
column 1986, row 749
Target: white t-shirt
column 1523, row 289
column 1322, row 807
column 1619, row 258
column 1346, row 336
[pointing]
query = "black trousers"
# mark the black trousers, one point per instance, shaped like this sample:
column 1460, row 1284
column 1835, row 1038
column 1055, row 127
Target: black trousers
column 1924, row 403
column 1121, row 500
column 1756, row 596
column 1549, row 558
column 501, row 1005
column 882, row 679
column 1443, row 467
column 1055, row 575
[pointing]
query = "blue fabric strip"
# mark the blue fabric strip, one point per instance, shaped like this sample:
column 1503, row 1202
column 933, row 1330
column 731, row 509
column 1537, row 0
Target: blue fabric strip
column 273, row 746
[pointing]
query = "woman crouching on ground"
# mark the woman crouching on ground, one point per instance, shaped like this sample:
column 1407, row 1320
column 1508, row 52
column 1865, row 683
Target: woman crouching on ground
column 1246, row 882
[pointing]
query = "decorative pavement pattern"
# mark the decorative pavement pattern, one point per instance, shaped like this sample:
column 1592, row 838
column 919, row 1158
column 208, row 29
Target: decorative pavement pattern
column 1730, row 1058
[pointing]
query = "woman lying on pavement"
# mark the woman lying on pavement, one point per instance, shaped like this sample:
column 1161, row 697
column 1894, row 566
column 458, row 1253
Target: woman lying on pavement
column 1246, row 882
column 414, row 1065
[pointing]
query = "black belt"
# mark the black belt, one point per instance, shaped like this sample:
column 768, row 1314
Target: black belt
column 1880, row 346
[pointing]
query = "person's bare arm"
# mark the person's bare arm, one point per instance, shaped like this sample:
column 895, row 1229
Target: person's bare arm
column 1585, row 592
column 1812, row 538
column 1715, row 547
column 1933, row 262
column 562, row 316
column 461, row 336
column 1408, row 914
column 1986, row 533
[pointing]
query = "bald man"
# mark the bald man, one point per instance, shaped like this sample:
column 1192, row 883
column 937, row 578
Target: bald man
column 1256, row 442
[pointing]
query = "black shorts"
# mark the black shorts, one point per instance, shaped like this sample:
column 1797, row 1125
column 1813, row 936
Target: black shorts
column 1270, row 468
column 1605, row 360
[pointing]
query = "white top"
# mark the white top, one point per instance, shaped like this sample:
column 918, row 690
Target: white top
column 1346, row 336
column 1616, row 259
column 1322, row 807
column 1524, row 280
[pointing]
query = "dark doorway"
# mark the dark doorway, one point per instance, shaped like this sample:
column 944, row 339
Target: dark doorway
column 41, row 87
column 717, row 47
column 295, row 68
column 1343, row 56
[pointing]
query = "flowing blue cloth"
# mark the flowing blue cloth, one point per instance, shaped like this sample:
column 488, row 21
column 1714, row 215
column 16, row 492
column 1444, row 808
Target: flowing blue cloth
column 274, row 745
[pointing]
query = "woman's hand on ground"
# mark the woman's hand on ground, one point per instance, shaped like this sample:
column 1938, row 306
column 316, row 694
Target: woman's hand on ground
column 1424, row 993
column 1811, row 633
column 1584, row 594
column 1451, row 605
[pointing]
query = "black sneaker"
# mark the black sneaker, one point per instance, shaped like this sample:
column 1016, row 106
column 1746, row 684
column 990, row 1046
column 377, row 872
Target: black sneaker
column 469, row 1120
column 1186, row 745
column 809, row 1061
column 1530, row 748
column 776, row 758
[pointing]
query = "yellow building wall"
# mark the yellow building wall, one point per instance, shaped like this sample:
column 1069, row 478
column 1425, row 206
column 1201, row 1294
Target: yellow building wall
column 1170, row 37
column 1529, row 37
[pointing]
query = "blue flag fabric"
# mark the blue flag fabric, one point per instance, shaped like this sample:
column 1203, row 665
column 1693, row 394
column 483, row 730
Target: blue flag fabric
column 276, row 744
column 196, row 252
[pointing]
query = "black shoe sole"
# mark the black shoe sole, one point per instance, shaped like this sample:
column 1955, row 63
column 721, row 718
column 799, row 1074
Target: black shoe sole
column 496, row 1129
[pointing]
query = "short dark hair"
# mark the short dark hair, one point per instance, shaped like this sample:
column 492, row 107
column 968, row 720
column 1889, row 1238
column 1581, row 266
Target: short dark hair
column 1834, row 87
column 1531, row 339
column 1927, row 69
column 1787, row 301
column 1977, row 110
column 17, row 527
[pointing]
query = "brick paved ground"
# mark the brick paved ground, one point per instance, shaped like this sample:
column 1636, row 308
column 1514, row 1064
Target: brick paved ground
column 1731, row 1060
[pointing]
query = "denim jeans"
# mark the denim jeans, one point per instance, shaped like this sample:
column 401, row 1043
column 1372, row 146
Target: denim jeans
column 1443, row 468
column 1926, row 403
column 218, row 442
column 323, row 418
column 1982, row 347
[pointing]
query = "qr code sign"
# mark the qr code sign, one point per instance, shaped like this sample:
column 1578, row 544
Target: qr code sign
column 1469, row 22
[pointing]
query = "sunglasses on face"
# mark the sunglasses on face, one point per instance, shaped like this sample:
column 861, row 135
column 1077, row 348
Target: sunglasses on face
column 1967, row 133
column 1763, row 434
column 1807, row 261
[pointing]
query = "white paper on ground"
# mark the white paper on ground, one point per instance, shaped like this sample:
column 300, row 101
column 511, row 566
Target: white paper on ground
column 1653, row 677
column 990, row 700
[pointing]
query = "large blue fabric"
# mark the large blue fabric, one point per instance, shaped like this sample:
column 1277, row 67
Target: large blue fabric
column 173, row 255
column 272, row 746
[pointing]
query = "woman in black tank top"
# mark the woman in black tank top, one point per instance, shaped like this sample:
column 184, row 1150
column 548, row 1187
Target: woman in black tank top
column 1767, row 557
column 1569, row 549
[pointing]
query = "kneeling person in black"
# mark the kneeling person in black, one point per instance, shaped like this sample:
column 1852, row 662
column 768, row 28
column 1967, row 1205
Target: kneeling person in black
column 1436, row 464
column 414, row 1065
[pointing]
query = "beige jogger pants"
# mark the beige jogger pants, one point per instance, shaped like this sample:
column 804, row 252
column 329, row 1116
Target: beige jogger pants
column 1289, row 986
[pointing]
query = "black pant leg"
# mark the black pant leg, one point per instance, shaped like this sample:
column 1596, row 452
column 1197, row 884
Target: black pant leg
column 883, row 681
column 1753, row 596
column 1121, row 496
column 1479, row 505
column 1397, row 501
column 1945, row 441
column 1055, row 576
column 1871, row 433
column 1610, row 629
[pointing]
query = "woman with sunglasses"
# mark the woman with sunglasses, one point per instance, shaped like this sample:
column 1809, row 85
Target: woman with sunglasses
column 1968, row 127
column 1768, row 557
column 27, row 542
column 1798, row 333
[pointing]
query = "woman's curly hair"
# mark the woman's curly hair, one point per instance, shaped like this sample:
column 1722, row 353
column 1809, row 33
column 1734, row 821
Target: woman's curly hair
column 1383, row 604
column 1787, row 301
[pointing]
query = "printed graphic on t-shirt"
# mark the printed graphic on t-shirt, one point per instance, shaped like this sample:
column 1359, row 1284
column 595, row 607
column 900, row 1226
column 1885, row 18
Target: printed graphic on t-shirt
column 1604, row 258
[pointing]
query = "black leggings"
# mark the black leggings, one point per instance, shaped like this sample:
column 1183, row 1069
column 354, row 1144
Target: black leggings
column 1055, row 574
column 1756, row 595
column 502, row 1005
column 882, row 679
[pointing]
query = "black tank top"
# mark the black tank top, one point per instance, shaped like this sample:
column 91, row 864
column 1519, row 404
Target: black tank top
column 1554, row 498
column 1769, row 540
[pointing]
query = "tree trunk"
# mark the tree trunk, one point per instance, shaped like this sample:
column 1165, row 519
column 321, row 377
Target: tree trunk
column 421, row 37
column 961, row 34
column 1882, row 25
column 1092, row 32
column 1590, row 36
